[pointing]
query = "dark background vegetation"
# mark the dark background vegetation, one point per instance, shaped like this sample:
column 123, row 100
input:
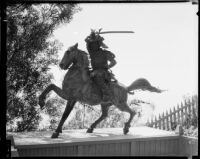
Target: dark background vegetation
column 30, row 52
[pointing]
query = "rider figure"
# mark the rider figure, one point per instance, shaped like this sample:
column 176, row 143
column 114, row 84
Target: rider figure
column 99, row 62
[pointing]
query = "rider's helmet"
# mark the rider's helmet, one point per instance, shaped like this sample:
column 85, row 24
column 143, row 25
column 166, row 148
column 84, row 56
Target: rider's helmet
column 95, row 40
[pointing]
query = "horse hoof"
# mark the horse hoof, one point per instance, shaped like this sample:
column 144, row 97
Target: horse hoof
column 126, row 128
column 55, row 135
column 125, row 131
column 41, row 103
column 89, row 130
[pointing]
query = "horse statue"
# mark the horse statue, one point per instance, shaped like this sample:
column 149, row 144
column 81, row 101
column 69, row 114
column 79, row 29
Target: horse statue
column 77, row 86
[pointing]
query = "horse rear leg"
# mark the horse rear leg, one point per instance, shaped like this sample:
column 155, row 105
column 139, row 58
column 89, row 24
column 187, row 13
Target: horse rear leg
column 104, row 109
column 49, row 88
column 125, row 108
column 68, row 109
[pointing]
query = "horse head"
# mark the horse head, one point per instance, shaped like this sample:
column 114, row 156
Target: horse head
column 69, row 57
column 76, row 57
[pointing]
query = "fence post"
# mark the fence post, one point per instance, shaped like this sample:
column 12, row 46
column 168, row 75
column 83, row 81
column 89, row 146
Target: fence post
column 182, row 115
column 195, row 104
column 156, row 122
column 178, row 113
column 189, row 107
column 194, row 107
column 174, row 115
column 163, row 120
column 179, row 130
column 170, row 117
column 167, row 120
column 186, row 108
column 159, row 122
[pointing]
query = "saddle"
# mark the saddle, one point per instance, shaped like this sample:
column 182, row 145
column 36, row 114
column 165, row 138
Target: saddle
column 109, row 76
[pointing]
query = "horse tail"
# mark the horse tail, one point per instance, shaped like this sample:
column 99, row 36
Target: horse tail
column 144, row 85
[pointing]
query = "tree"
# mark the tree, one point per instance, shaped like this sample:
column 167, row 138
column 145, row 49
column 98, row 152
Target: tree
column 30, row 52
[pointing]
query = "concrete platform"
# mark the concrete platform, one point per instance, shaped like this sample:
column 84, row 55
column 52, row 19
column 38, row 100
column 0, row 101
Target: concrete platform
column 79, row 136
column 140, row 141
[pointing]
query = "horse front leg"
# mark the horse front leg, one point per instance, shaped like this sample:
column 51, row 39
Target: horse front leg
column 49, row 88
column 68, row 109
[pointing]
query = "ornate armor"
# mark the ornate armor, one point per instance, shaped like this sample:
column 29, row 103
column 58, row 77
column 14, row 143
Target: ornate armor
column 99, row 62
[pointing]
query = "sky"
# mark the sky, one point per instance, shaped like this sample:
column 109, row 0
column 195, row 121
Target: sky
column 163, row 48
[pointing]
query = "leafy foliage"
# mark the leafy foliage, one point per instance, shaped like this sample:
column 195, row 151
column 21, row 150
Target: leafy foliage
column 30, row 52
column 54, row 110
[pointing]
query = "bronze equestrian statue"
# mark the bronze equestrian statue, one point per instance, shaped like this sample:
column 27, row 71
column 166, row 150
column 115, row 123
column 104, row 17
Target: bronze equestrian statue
column 82, row 85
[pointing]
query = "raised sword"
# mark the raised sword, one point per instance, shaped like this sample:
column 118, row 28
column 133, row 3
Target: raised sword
column 107, row 32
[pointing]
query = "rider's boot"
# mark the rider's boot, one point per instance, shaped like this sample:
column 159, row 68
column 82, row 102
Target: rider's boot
column 103, row 87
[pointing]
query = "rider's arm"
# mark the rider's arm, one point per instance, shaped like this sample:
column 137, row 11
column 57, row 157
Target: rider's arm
column 111, row 58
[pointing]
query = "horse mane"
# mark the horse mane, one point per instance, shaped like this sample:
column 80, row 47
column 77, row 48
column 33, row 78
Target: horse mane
column 85, row 57
column 83, row 52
